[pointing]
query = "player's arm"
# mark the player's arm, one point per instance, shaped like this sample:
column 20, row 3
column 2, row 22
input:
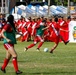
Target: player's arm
column 5, row 28
column 2, row 34
column 46, row 28
column 64, row 30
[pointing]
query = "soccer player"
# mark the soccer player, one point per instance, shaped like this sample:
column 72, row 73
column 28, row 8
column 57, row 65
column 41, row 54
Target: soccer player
column 24, row 34
column 64, row 26
column 8, row 33
column 54, row 36
column 34, row 24
column 38, row 37
column 29, row 28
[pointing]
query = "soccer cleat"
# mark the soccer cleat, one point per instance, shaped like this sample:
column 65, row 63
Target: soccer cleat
column 18, row 72
column 4, row 71
column 66, row 42
column 38, row 49
column 25, row 49
column 51, row 51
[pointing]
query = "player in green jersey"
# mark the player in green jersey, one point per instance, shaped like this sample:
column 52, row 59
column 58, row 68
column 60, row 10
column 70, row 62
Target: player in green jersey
column 38, row 37
column 8, row 34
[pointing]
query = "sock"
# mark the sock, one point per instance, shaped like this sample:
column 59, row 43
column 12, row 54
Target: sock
column 31, row 45
column 40, row 44
column 15, row 63
column 5, row 63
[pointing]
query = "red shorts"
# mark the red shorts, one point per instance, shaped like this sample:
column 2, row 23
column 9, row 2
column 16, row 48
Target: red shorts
column 8, row 45
column 38, row 39
column 54, row 39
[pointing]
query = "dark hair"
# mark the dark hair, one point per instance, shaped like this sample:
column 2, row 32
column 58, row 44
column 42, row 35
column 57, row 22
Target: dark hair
column 69, row 17
column 56, row 19
column 44, row 21
column 10, row 19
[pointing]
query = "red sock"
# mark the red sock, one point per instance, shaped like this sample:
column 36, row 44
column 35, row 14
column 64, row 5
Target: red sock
column 15, row 63
column 40, row 44
column 31, row 45
column 5, row 63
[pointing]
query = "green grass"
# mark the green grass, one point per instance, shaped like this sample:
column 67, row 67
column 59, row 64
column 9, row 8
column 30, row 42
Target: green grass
column 31, row 62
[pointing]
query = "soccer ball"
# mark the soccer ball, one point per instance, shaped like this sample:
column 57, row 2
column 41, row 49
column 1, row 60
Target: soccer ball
column 46, row 49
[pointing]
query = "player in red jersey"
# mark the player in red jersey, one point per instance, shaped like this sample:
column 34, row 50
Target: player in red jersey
column 24, row 30
column 24, row 34
column 39, row 21
column 29, row 28
column 54, row 36
column 34, row 24
column 19, row 24
column 64, row 26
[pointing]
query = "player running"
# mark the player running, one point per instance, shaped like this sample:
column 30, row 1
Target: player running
column 38, row 37
column 54, row 36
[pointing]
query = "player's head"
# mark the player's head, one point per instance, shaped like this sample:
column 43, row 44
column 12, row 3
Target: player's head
column 44, row 22
column 56, row 19
column 10, row 18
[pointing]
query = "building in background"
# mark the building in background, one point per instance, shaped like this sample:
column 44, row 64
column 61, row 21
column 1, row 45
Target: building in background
column 7, row 5
column 4, row 6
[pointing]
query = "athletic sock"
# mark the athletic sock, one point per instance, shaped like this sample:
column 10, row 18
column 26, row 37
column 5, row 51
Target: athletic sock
column 31, row 45
column 40, row 44
column 5, row 63
column 15, row 63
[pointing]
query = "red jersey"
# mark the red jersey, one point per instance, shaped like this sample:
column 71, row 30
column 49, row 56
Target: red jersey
column 29, row 27
column 34, row 28
column 19, row 23
column 54, row 32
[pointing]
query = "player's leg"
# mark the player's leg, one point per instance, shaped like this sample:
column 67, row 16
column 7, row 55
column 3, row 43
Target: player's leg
column 6, row 61
column 31, row 45
column 41, row 42
column 53, row 48
column 12, row 51
column 55, row 45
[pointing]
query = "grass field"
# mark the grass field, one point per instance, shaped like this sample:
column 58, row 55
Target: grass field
column 31, row 62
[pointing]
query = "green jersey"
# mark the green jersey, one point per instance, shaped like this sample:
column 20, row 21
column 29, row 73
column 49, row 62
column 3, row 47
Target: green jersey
column 40, row 31
column 10, row 34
